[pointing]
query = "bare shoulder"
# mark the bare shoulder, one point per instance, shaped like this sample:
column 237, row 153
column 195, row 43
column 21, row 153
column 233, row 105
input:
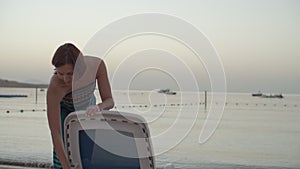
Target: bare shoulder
column 93, row 60
column 53, row 86
column 56, row 87
column 97, row 64
column 55, row 82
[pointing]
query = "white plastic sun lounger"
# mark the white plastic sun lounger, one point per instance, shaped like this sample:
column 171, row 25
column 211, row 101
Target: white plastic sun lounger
column 108, row 140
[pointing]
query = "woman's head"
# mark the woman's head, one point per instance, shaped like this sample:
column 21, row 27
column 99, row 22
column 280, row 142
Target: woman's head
column 64, row 60
column 66, row 54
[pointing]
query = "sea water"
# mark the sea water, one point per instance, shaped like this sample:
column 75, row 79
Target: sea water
column 253, row 132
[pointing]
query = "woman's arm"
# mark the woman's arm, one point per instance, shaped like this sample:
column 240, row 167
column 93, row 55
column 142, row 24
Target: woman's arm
column 104, row 88
column 53, row 114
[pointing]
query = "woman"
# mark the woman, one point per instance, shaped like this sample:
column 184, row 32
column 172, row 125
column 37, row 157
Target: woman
column 71, row 88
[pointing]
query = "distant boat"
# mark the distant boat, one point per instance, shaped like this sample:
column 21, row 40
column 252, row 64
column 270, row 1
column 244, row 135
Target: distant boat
column 167, row 91
column 171, row 93
column 11, row 95
column 280, row 96
column 164, row 90
column 257, row 94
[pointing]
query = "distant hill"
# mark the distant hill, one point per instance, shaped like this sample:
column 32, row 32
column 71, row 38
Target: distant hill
column 9, row 83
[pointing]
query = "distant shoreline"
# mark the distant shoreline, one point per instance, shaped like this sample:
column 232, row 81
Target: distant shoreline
column 10, row 83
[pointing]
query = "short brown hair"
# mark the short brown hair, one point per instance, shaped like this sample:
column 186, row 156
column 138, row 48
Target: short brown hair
column 69, row 54
column 66, row 54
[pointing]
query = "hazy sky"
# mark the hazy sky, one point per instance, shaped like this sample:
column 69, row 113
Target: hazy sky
column 258, row 40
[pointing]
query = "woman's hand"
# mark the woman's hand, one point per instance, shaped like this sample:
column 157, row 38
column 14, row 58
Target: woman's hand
column 91, row 110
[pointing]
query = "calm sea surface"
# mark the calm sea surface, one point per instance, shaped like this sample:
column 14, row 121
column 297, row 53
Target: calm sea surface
column 253, row 132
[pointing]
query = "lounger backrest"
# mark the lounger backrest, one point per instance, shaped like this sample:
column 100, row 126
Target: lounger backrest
column 109, row 139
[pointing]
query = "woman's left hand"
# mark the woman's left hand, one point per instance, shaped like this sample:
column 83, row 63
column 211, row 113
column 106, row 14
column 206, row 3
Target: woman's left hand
column 91, row 110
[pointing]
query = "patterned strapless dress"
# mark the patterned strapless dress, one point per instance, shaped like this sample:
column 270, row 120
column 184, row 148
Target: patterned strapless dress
column 79, row 99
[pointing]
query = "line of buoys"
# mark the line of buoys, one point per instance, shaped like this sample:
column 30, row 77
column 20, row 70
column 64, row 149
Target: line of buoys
column 24, row 110
column 171, row 105
column 201, row 103
column 259, row 104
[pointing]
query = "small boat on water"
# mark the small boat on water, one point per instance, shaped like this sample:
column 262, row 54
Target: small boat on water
column 280, row 96
column 259, row 94
column 167, row 91
column 171, row 93
column 164, row 90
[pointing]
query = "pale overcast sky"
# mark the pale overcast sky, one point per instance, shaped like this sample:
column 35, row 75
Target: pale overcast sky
column 257, row 40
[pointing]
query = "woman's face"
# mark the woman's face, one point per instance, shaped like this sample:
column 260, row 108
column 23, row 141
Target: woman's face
column 65, row 73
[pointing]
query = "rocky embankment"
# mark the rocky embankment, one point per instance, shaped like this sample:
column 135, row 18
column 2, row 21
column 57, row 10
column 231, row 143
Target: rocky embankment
column 9, row 83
